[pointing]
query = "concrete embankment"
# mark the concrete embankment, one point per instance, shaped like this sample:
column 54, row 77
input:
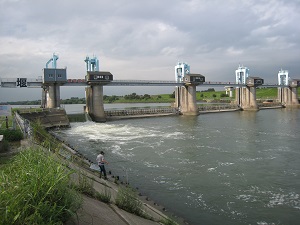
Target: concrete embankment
column 48, row 117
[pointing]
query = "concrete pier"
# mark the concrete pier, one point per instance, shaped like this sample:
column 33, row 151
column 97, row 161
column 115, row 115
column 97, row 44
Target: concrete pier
column 294, row 94
column 187, row 100
column 246, row 96
column 94, row 103
column 252, row 99
column 288, row 96
column 53, row 96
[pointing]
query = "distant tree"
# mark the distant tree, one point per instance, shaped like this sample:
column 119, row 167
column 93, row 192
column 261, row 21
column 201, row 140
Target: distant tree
column 146, row 96
column 112, row 98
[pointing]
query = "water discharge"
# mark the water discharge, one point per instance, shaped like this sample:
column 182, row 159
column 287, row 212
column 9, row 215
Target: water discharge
column 225, row 168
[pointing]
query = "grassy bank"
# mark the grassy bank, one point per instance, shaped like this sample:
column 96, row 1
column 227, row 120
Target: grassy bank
column 34, row 189
column 209, row 94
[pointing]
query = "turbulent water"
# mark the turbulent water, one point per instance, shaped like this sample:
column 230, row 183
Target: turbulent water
column 223, row 168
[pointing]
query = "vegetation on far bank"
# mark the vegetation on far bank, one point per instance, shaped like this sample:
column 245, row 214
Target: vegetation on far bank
column 209, row 94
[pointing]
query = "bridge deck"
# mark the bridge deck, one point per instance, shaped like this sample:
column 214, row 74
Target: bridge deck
column 38, row 83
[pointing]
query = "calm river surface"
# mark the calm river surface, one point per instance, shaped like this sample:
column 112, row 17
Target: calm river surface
column 219, row 168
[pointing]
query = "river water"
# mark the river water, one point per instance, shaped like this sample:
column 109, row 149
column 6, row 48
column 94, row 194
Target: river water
column 219, row 168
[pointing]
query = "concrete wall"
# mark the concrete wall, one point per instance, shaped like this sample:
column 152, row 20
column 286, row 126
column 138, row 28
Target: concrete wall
column 48, row 118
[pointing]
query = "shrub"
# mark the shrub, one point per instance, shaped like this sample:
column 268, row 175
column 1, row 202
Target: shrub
column 127, row 200
column 12, row 135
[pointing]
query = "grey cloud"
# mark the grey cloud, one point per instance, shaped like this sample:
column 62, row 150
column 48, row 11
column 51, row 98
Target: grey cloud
column 144, row 39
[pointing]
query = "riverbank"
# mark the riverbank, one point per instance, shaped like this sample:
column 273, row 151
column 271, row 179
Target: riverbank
column 111, row 214
column 93, row 210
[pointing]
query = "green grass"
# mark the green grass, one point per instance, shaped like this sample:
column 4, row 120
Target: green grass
column 3, row 122
column 11, row 135
column 127, row 200
column 34, row 189
column 266, row 93
column 104, row 196
column 168, row 221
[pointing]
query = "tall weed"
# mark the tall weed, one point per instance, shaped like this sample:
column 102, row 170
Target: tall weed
column 34, row 189
column 127, row 199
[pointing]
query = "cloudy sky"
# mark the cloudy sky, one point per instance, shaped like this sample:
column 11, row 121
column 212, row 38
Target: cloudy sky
column 139, row 39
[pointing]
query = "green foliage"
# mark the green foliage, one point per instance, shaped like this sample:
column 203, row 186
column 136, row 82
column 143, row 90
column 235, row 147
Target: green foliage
column 11, row 135
column 3, row 121
column 44, row 138
column 224, row 95
column 73, row 100
column 146, row 96
column 85, row 185
column 214, row 95
column 132, row 96
column 110, row 99
column 168, row 221
column 5, row 146
column 34, row 190
column 128, row 201
column 33, row 102
column 104, row 196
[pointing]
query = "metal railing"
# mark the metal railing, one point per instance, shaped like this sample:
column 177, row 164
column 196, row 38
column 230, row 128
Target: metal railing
column 133, row 112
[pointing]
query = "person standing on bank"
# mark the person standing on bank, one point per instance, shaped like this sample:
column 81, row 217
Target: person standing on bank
column 101, row 161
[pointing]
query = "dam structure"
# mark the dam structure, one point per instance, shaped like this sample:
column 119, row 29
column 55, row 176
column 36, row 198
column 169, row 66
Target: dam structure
column 185, row 84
